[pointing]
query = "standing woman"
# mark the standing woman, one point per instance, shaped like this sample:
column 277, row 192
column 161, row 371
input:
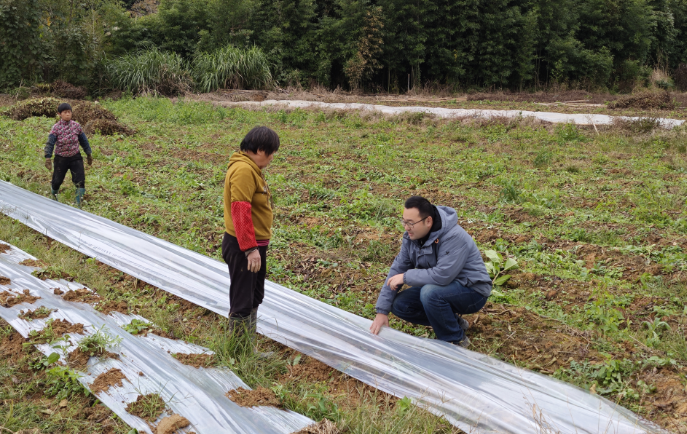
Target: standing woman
column 248, row 222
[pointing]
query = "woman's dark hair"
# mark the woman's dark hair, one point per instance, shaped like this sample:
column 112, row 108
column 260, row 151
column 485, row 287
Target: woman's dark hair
column 261, row 139
column 423, row 205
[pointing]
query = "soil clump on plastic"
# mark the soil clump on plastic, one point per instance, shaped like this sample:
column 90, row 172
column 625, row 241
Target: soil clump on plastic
column 57, row 291
column 38, row 313
column 147, row 407
column 113, row 306
column 82, row 295
column 108, row 379
column 196, row 360
column 254, row 398
column 160, row 332
column 4, row 248
column 170, row 424
column 32, row 263
column 78, row 359
column 60, row 327
column 9, row 299
column 52, row 275
column 325, row 426
column 5, row 281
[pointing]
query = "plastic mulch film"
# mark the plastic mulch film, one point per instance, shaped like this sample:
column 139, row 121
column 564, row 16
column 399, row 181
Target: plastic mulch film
column 556, row 118
column 476, row 393
column 198, row 394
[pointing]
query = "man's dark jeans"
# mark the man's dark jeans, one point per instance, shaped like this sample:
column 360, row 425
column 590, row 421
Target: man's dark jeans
column 437, row 306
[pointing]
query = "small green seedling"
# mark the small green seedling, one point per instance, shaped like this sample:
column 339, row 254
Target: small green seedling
column 63, row 383
column 653, row 330
column 136, row 326
column 44, row 362
column 496, row 267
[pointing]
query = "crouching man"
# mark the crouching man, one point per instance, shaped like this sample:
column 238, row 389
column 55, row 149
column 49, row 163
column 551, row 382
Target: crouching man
column 444, row 269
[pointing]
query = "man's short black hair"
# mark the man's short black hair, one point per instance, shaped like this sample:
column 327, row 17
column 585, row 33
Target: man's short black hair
column 62, row 107
column 423, row 205
column 261, row 139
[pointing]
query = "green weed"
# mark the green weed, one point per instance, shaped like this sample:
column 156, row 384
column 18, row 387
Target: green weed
column 98, row 343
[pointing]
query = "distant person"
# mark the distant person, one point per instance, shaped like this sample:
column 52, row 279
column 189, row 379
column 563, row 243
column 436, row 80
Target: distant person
column 248, row 224
column 65, row 137
column 444, row 269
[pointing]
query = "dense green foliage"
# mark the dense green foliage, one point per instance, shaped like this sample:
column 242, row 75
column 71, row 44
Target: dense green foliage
column 375, row 44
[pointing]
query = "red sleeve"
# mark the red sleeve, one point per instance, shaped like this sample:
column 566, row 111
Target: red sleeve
column 243, row 225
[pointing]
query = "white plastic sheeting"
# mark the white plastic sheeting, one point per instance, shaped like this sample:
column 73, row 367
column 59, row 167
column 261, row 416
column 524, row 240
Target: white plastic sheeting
column 556, row 118
column 197, row 394
column 476, row 393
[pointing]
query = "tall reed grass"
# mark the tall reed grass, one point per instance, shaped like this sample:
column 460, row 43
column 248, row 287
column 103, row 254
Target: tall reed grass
column 150, row 72
column 232, row 67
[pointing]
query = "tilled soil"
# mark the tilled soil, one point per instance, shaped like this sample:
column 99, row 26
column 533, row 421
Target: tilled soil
column 35, row 314
column 9, row 299
column 82, row 295
column 171, row 424
column 147, row 407
column 60, row 327
column 196, row 360
column 254, row 398
column 108, row 379
column 11, row 347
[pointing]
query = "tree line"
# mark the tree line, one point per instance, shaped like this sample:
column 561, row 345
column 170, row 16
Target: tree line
column 375, row 45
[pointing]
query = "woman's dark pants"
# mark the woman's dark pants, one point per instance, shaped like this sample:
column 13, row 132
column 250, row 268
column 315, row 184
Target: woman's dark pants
column 247, row 289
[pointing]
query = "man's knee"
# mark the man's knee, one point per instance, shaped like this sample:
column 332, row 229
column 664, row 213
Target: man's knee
column 431, row 293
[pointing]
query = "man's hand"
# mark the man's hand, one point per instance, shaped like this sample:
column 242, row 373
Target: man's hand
column 395, row 282
column 89, row 159
column 48, row 163
column 380, row 321
column 254, row 261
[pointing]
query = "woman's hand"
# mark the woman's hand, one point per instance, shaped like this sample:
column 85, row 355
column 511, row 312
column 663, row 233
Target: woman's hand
column 48, row 163
column 254, row 261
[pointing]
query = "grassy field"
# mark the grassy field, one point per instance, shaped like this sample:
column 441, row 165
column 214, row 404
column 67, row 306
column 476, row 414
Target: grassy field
column 597, row 221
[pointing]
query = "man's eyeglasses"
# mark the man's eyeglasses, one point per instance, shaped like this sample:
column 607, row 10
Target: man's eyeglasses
column 411, row 224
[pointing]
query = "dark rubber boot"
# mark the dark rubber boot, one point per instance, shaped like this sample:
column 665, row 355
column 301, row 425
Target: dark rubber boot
column 54, row 194
column 79, row 196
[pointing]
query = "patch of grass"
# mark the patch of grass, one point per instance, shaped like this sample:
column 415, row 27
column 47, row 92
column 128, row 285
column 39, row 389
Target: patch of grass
column 99, row 342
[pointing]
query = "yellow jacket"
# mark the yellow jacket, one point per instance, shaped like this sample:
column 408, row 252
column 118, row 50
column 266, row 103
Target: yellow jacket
column 246, row 202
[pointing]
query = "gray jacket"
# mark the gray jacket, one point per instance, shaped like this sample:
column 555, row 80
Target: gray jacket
column 450, row 254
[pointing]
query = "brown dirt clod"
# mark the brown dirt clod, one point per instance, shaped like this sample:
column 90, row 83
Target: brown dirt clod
column 8, row 299
column 5, row 281
column 113, row 306
column 57, row 291
column 325, row 426
column 108, row 379
column 34, row 314
column 147, row 407
column 4, row 248
column 32, row 263
column 60, row 327
column 79, row 360
column 82, row 295
column 171, row 424
column 253, row 398
column 196, row 360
